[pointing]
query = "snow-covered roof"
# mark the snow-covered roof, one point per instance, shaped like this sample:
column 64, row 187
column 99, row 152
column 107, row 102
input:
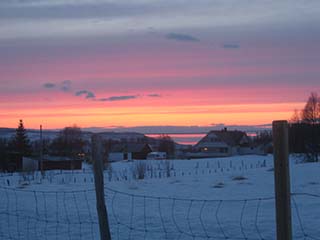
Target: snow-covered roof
column 230, row 138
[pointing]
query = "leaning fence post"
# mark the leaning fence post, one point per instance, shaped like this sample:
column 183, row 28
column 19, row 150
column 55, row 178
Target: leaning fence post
column 282, row 179
column 97, row 157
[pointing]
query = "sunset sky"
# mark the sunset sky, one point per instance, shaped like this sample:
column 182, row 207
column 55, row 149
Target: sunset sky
column 107, row 63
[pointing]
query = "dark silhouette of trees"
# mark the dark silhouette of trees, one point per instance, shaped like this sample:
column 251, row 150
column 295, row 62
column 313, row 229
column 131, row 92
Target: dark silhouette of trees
column 262, row 138
column 69, row 142
column 20, row 142
column 36, row 146
column 311, row 111
column 167, row 145
column 304, row 129
column 3, row 154
column 296, row 117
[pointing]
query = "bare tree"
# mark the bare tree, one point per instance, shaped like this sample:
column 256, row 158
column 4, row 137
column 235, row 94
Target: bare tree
column 308, row 127
column 296, row 116
column 263, row 137
column 311, row 111
column 69, row 142
column 167, row 145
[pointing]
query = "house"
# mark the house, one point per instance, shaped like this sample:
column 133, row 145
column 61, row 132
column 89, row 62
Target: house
column 30, row 164
column 19, row 163
column 60, row 163
column 14, row 162
column 128, row 151
column 157, row 155
column 221, row 143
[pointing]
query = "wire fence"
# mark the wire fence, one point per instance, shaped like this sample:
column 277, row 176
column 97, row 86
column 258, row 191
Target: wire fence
column 147, row 217
column 60, row 214
column 158, row 170
column 27, row 214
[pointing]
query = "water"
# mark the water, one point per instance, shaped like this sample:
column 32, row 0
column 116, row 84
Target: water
column 182, row 138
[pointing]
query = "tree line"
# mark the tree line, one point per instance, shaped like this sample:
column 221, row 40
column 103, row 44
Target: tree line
column 304, row 129
column 68, row 143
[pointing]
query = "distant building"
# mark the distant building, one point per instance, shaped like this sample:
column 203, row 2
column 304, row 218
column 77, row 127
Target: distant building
column 222, row 143
column 52, row 163
column 30, row 164
column 128, row 151
column 14, row 162
column 61, row 163
column 157, row 155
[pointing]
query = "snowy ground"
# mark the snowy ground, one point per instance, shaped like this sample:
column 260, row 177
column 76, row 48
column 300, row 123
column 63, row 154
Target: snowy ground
column 222, row 198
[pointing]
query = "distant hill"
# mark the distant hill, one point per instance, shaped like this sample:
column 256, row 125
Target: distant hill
column 51, row 134
column 32, row 133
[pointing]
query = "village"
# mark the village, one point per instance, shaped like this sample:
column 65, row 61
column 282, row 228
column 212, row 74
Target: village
column 159, row 120
column 128, row 147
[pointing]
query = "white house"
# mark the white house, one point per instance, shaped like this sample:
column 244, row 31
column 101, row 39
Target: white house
column 157, row 155
column 222, row 143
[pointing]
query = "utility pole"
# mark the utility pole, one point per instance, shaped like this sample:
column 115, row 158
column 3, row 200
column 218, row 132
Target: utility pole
column 41, row 151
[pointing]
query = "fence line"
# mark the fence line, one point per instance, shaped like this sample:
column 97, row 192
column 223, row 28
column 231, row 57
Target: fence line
column 128, row 174
column 30, row 214
column 205, row 219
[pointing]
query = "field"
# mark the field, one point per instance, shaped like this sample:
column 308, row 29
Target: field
column 221, row 198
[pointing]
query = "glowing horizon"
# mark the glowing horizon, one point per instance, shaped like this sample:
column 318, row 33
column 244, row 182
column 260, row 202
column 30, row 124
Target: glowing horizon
column 242, row 114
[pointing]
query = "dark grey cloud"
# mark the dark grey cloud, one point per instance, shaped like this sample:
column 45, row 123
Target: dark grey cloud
column 49, row 85
column 118, row 98
column 181, row 37
column 154, row 95
column 66, row 86
column 86, row 93
column 92, row 9
column 40, row 16
column 231, row 46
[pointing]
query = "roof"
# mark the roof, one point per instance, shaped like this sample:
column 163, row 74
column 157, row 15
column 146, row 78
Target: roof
column 59, row 158
column 231, row 138
column 128, row 147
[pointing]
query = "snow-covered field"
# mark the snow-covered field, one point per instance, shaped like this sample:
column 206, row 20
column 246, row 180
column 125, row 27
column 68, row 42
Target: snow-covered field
column 221, row 198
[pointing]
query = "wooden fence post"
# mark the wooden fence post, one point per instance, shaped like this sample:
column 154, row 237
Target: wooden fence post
column 282, row 179
column 97, row 157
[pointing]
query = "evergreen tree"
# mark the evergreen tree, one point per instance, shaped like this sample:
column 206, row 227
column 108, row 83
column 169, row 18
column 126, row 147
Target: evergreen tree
column 21, row 142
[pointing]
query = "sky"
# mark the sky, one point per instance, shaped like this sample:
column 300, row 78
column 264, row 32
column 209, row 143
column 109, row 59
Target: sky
column 122, row 63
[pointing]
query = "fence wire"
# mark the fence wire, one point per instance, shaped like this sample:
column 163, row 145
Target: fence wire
column 148, row 217
column 26, row 214
column 34, row 214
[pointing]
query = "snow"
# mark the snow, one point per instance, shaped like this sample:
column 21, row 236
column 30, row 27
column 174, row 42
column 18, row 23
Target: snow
column 220, row 198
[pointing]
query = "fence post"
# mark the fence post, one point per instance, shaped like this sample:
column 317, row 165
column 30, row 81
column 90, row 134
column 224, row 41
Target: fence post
column 97, row 157
column 282, row 179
